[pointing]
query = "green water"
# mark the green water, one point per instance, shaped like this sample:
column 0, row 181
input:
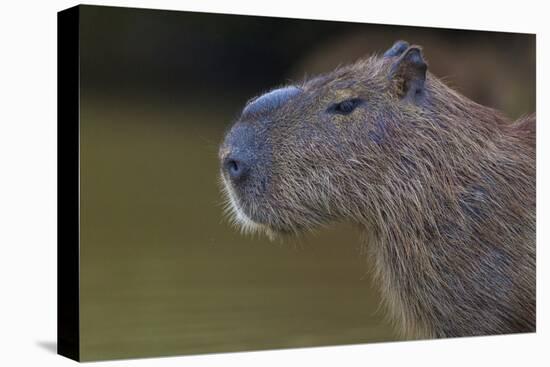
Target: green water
column 163, row 273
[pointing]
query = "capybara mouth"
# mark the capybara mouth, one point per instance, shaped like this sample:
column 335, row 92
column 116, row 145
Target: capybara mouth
column 240, row 215
column 250, row 216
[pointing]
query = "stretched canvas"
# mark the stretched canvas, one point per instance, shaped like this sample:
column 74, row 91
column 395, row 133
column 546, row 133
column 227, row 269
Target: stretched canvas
column 234, row 183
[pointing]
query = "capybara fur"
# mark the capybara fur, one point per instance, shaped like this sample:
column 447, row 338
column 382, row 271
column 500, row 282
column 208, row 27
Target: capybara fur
column 442, row 188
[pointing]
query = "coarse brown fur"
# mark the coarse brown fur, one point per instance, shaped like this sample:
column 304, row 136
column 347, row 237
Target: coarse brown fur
column 442, row 188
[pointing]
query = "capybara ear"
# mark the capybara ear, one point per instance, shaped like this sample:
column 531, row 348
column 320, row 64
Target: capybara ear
column 408, row 74
column 397, row 49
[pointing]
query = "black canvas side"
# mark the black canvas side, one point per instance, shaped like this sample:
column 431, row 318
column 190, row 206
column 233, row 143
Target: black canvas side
column 68, row 216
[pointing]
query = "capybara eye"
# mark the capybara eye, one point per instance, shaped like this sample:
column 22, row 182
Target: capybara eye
column 345, row 107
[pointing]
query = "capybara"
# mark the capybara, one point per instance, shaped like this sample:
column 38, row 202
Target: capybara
column 442, row 188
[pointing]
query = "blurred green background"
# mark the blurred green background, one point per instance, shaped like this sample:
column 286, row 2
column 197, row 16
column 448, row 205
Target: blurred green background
column 162, row 272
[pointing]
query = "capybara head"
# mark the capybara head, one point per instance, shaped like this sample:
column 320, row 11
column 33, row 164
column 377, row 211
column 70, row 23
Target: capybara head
column 335, row 146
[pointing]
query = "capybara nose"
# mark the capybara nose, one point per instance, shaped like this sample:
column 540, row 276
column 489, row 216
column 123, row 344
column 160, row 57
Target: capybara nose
column 236, row 167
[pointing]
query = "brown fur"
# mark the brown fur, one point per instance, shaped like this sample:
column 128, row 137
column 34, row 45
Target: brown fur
column 443, row 189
